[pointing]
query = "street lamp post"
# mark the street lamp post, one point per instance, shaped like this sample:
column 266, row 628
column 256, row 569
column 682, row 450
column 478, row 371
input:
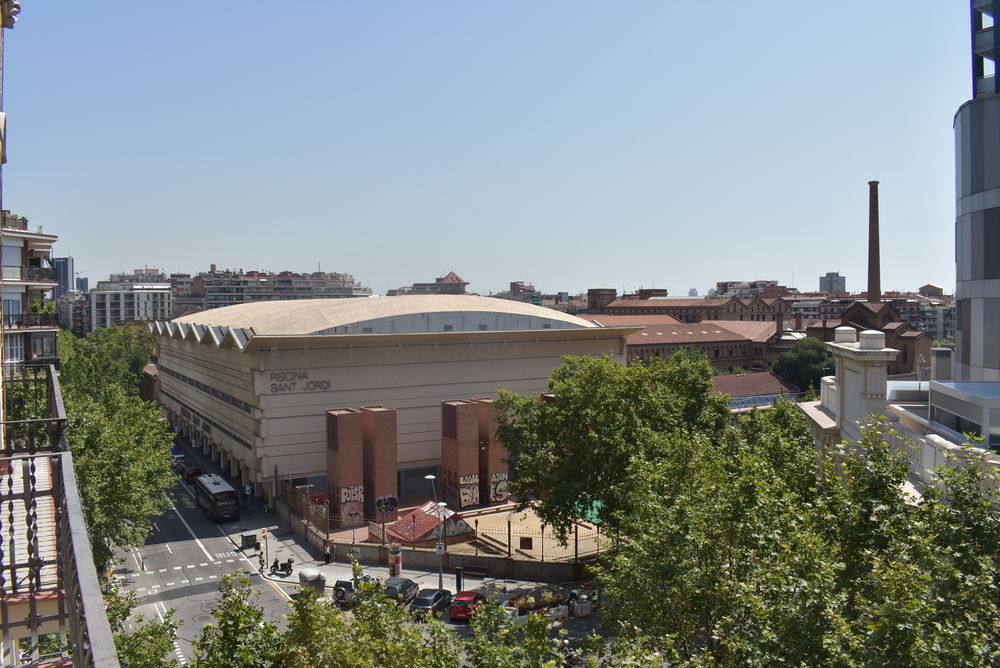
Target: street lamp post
column 438, row 506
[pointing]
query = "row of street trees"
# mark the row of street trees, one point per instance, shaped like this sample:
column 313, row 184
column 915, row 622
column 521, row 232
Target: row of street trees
column 121, row 453
column 734, row 546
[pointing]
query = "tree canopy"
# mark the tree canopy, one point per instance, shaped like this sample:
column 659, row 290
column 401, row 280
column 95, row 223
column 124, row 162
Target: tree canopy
column 121, row 446
column 806, row 362
column 735, row 545
column 584, row 452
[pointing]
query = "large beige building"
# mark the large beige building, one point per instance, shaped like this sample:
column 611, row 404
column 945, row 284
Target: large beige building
column 251, row 383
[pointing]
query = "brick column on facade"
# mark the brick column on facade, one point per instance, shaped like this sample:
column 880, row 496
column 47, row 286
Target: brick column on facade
column 492, row 457
column 380, row 460
column 460, row 453
column 345, row 466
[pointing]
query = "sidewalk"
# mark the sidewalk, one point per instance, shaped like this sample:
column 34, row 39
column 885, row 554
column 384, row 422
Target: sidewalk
column 282, row 543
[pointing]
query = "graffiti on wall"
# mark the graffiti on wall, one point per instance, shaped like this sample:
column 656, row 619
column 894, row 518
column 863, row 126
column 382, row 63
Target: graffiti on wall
column 352, row 499
column 498, row 488
column 468, row 490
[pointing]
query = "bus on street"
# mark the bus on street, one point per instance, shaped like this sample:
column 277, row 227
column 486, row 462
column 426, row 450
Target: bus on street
column 216, row 497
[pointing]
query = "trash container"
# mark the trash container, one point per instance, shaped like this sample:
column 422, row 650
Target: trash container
column 248, row 540
column 312, row 579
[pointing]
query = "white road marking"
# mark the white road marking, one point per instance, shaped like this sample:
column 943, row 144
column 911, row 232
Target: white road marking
column 198, row 579
column 167, row 545
column 156, row 526
column 188, row 526
column 203, row 564
column 177, row 568
column 169, row 584
column 213, row 577
column 163, row 570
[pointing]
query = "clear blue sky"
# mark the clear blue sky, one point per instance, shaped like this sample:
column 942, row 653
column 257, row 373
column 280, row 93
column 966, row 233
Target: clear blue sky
column 571, row 144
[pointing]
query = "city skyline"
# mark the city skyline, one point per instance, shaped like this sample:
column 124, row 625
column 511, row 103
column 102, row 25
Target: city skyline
column 397, row 143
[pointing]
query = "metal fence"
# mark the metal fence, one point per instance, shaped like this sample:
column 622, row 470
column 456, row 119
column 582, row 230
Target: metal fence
column 48, row 582
column 490, row 534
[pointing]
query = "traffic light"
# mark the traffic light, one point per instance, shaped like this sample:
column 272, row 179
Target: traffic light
column 263, row 534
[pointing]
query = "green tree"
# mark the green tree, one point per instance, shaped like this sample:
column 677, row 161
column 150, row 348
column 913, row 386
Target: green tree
column 497, row 641
column 584, row 452
column 806, row 362
column 121, row 451
column 109, row 357
column 150, row 644
column 239, row 637
column 121, row 447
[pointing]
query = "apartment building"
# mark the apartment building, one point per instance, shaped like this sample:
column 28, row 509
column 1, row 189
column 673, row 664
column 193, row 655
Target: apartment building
column 28, row 335
column 126, row 303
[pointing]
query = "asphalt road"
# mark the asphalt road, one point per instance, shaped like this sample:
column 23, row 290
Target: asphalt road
column 180, row 567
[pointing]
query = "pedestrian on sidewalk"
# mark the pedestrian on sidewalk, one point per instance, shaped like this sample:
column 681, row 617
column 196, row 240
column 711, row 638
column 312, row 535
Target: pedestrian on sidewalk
column 326, row 552
column 247, row 492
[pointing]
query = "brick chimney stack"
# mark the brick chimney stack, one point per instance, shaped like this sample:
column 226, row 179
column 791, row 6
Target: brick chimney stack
column 874, row 279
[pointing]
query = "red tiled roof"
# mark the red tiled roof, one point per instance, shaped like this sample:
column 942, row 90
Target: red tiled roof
column 682, row 333
column 751, row 384
column 830, row 324
column 452, row 277
column 669, row 303
column 758, row 331
column 417, row 525
column 623, row 320
column 893, row 325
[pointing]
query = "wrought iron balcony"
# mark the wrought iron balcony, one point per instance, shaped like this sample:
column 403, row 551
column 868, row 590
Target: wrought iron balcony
column 48, row 582
column 30, row 320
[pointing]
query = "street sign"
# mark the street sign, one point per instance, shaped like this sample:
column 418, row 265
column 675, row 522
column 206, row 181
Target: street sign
column 439, row 548
column 386, row 504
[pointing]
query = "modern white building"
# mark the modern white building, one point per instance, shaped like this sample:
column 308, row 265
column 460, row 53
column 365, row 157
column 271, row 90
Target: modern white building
column 128, row 303
column 251, row 383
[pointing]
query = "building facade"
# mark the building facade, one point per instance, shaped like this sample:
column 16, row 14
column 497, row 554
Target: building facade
column 977, row 210
column 216, row 289
column 127, row 303
column 63, row 267
column 833, row 283
column 252, row 384
column 28, row 334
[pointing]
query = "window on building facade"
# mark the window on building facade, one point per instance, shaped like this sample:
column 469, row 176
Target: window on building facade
column 13, row 348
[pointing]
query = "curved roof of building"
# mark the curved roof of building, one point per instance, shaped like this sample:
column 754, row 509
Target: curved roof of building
column 308, row 316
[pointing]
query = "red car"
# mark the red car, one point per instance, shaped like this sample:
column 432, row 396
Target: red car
column 190, row 473
column 464, row 605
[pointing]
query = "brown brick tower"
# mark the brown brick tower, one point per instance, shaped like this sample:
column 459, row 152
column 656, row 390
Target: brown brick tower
column 492, row 457
column 345, row 466
column 379, row 438
column 874, row 271
column 460, row 453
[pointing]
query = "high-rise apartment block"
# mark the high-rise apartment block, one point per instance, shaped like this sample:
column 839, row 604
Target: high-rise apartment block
column 977, row 209
column 63, row 266
column 833, row 283
column 216, row 289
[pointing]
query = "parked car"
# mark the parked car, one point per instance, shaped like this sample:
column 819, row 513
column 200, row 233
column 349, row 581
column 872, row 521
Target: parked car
column 344, row 591
column 430, row 602
column 401, row 590
column 178, row 463
column 190, row 473
column 464, row 605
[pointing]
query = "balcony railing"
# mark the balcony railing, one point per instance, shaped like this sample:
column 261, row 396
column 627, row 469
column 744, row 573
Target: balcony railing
column 30, row 274
column 48, row 582
column 29, row 320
